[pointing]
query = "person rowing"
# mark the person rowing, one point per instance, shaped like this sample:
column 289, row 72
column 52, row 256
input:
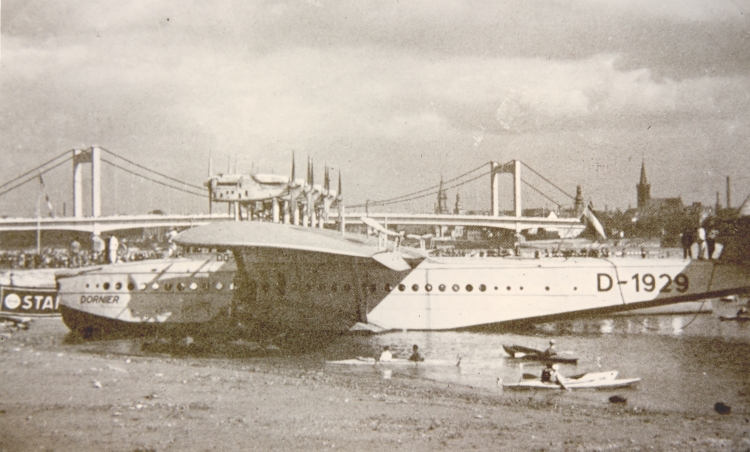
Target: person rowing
column 416, row 356
column 386, row 356
column 551, row 374
column 551, row 351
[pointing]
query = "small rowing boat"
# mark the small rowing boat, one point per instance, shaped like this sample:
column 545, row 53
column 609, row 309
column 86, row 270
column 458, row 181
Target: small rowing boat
column 591, row 380
column 739, row 318
column 365, row 361
column 531, row 354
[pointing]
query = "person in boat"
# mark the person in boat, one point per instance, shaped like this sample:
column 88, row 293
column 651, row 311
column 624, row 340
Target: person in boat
column 743, row 313
column 547, row 373
column 386, row 356
column 551, row 351
column 551, row 374
column 415, row 355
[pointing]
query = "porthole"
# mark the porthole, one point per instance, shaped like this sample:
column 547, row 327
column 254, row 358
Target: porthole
column 415, row 287
column 131, row 286
column 181, row 286
column 105, row 286
column 482, row 287
column 87, row 285
column 142, row 286
column 521, row 288
column 441, row 287
column 428, row 287
column 401, row 287
column 469, row 287
column 155, row 286
column 388, row 288
column 507, row 288
column 168, row 286
column 495, row 287
column 220, row 286
column 575, row 288
column 546, row 288
column 455, row 287
column 118, row 286
column 193, row 285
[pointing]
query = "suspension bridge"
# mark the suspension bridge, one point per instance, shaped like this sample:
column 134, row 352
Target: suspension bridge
column 129, row 181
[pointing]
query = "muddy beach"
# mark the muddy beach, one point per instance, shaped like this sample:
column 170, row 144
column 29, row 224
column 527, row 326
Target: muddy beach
column 57, row 393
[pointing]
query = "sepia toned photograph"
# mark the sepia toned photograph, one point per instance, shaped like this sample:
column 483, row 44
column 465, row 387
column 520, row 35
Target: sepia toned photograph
column 375, row 226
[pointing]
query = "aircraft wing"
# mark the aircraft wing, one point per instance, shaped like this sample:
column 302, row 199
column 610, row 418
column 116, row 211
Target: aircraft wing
column 270, row 235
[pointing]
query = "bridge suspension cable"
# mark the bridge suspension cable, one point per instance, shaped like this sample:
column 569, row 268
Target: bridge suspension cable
column 35, row 170
column 151, row 171
column 33, row 176
column 412, row 196
column 154, row 180
column 549, row 181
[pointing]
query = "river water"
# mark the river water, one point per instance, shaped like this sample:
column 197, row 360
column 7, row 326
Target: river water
column 685, row 362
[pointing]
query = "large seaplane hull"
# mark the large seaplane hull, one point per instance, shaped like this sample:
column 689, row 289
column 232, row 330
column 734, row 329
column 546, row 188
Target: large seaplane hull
column 292, row 279
column 143, row 296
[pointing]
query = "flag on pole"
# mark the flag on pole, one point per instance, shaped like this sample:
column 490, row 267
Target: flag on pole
column 589, row 214
column 46, row 196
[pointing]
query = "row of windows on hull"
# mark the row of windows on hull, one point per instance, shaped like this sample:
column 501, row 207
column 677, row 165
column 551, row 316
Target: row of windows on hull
column 308, row 287
column 455, row 288
column 401, row 287
column 167, row 286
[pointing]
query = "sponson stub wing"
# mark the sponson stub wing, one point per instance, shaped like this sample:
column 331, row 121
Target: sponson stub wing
column 290, row 238
column 295, row 279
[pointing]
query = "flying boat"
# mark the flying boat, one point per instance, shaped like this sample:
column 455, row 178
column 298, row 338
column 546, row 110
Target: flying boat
column 311, row 281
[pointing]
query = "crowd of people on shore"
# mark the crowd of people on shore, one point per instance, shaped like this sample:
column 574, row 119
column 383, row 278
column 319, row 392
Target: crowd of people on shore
column 106, row 250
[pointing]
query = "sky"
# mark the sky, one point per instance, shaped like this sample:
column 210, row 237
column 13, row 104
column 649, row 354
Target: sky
column 393, row 94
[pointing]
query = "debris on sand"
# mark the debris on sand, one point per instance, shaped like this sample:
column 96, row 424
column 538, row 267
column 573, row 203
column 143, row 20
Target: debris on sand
column 618, row 399
column 722, row 408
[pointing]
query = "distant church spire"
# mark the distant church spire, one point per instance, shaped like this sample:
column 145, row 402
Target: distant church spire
column 643, row 187
column 458, row 210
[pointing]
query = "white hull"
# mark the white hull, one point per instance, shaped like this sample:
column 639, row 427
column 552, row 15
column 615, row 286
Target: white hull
column 518, row 289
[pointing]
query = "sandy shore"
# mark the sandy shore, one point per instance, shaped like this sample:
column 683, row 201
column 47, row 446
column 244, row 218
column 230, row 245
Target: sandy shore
column 55, row 395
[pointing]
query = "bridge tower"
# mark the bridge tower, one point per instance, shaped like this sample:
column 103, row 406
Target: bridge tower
column 513, row 167
column 81, row 156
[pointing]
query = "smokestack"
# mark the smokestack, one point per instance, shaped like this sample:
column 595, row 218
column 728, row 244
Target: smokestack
column 729, row 194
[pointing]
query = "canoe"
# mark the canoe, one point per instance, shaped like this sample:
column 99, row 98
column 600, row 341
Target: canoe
column 592, row 380
column 365, row 361
column 735, row 318
column 530, row 354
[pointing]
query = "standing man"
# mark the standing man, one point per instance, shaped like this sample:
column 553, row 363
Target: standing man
column 711, row 237
column 75, row 253
column 114, row 244
column 687, row 239
column 701, row 239
column 97, row 248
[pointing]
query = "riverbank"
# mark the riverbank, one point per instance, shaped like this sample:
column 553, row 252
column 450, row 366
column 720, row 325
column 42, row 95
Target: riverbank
column 60, row 395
